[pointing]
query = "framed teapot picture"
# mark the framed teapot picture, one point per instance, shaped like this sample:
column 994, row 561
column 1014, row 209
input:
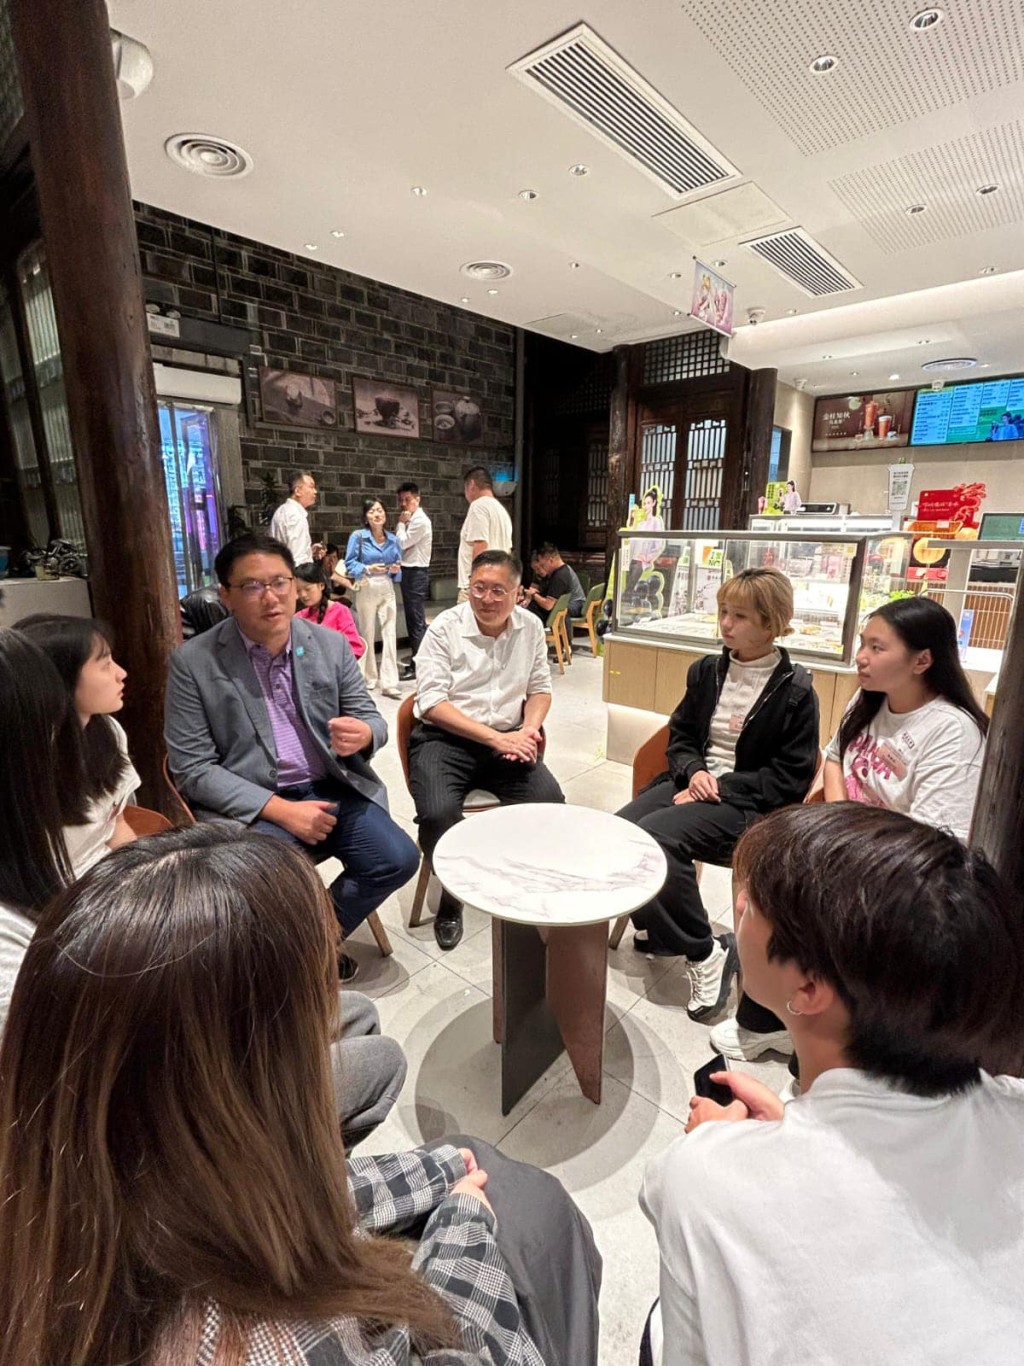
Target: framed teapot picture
column 458, row 418
column 293, row 400
column 385, row 409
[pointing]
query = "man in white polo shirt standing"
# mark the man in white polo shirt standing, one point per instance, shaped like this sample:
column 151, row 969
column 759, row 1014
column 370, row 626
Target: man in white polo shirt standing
column 487, row 526
column 483, row 690
column 290, row 523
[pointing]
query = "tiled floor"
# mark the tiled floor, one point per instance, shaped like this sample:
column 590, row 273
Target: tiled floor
column 438, row 1007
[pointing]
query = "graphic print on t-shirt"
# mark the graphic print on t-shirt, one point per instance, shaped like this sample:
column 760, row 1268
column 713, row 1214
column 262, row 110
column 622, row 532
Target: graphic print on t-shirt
column 869, row 755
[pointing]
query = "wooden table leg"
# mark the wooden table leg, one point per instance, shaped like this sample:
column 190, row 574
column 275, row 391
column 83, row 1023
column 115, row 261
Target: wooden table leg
column 576, row 992
column 530, row 1037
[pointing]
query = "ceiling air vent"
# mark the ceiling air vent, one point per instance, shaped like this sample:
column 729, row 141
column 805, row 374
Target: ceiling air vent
column 591, row 83
column 486, row 270
column 208, row 156
column 797, row 256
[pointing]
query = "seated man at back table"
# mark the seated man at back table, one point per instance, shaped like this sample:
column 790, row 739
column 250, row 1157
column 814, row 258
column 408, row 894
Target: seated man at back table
column 483, row 690
column 553, row 579
column 268, row 721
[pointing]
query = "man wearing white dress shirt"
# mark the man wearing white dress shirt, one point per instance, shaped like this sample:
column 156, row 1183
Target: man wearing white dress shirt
column 483, row 691
column 415, row 539
column 290, row 523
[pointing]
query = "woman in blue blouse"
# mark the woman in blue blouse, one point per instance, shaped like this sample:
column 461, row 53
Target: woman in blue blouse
column 373, row 562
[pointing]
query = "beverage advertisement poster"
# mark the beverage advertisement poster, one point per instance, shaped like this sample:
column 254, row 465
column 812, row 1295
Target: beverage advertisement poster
column 712, row 299
column 863, row 422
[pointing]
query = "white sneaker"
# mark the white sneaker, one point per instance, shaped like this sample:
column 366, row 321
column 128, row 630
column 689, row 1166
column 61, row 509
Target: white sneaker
column 733, row 1041
column 710, row 980
column 391, row 692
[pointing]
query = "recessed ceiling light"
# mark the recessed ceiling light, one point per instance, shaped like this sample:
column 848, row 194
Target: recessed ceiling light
column 822, row 64
column 579, row 169
column 677, row 312
column 574, row 265
column 926, row 19
column 827, row 357
column 988, row 270
column 791, row 312
column 915, row 208
column 675, row 275
column 464, row 299
column 894, row 376
column 421, row 190
column 337, row 232
column 492, row 291
column 599, row 329
column 528, row 194
column 719, row 264
column 311, row 246
column 573, row 336
column 854, row 374
column 987, row 189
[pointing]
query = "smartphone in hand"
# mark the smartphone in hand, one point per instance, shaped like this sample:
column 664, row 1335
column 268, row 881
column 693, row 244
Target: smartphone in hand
column 713, row 1090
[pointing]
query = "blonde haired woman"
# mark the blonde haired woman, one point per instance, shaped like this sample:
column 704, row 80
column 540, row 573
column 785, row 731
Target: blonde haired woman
column 743, row 741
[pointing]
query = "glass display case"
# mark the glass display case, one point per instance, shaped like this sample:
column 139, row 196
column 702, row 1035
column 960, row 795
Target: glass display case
column 814, row 523
column 665, row 586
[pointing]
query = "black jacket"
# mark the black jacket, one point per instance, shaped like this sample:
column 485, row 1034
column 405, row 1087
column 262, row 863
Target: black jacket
column 777, row 749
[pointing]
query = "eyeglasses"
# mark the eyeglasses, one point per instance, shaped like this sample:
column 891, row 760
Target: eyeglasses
column 480, row 591
column 255, row 588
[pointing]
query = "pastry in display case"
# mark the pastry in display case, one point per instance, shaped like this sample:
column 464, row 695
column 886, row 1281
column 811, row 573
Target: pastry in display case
column 836, row 580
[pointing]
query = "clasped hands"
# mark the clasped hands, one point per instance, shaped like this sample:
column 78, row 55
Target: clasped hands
column 519, row 746
column 703, row 788
column 751, row 1100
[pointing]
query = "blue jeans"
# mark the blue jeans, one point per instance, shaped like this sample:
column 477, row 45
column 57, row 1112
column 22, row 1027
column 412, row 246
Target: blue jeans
column 378, row 855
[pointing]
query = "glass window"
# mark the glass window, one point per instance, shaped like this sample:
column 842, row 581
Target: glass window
column 188, row 449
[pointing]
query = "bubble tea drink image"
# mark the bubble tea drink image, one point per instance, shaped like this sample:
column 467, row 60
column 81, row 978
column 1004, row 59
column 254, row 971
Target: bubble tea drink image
column 870, row 414
column 884, row 426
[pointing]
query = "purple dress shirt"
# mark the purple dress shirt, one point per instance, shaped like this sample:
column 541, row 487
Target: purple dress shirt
column 298, row 759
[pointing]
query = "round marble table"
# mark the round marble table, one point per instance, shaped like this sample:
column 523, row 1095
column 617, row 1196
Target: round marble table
column 551, row 877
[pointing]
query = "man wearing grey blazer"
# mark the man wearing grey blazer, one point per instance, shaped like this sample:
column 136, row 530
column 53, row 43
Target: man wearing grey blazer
column 268, row 721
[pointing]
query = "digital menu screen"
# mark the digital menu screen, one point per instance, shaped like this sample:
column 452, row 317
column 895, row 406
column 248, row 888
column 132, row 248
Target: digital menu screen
column 985, row 410
column 862, row 422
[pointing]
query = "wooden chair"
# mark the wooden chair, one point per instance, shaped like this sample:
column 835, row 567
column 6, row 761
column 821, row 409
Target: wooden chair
column 142, row 821
column 377, row 929
column 477, row 800
column 587, row 622
column 649, row 761
column 556, row 633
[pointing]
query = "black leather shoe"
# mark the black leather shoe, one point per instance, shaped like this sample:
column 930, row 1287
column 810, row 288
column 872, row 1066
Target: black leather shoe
column 408, row 673
column 448, row 923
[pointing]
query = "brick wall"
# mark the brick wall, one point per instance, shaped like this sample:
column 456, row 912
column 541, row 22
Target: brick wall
column 318, row 320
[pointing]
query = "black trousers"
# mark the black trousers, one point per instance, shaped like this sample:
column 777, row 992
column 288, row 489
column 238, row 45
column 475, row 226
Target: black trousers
column 676, row 920
column 548, row 1249
column 444, row 769
column 415, row 587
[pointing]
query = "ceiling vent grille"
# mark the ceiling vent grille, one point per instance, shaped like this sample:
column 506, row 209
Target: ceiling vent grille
column 586, row 79
column 797, row 256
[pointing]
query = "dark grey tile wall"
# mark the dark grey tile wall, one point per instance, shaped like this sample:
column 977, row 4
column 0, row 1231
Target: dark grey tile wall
column 319, row 320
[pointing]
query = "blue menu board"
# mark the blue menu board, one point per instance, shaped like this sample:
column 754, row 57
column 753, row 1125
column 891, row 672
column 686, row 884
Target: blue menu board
column 986, row 410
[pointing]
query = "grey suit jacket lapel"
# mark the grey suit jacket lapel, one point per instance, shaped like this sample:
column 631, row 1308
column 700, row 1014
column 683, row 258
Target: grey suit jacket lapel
column 238, row 667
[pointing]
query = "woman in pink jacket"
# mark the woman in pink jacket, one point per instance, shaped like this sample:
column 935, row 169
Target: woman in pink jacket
column 318, row 608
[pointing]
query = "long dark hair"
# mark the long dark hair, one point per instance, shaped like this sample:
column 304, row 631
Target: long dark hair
column 922, row 624
column 40, row 775
column 168, row 1131
column 314, row 573
column 70, row 643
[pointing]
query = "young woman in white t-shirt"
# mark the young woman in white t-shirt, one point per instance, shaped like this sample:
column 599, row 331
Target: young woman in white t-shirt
column 913, row 738
column 80, row 651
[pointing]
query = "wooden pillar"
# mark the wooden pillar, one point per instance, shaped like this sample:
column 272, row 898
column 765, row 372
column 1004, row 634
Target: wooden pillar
column 745, row 484
column 65, row 64
column 621, row 444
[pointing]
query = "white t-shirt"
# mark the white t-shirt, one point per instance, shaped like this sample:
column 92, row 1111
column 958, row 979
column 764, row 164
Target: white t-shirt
column 487, row 521
column 864, row 1228
column 925, row 763
column 744, row 684
column 290, row 526
column 90, row 842
column 488, row 678
column 16, row 931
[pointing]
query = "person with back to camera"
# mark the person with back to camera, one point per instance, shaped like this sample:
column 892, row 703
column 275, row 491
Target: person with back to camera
column 743, row 741
column 912, row 739
column 290, row 522
column 878, row 1217
column 373, row 561
column 317, row 607
column 175, row 1190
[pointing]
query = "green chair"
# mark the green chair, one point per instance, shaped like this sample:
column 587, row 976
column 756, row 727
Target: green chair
column 556, row 633
column 584, row 577
column 586, row 622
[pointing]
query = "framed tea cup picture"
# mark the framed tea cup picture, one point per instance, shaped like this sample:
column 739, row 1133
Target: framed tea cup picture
column 458, row 418
column 385, row 409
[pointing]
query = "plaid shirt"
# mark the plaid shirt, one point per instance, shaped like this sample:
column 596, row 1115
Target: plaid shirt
column 457, row 1255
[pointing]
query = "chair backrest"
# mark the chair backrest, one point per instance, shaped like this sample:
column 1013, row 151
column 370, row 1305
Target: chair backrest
column 142, row 821
column 560, row 606
column 186, row 811
column 649, row 760
column 407, row 723
column 584, row 577
column 595, row 594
